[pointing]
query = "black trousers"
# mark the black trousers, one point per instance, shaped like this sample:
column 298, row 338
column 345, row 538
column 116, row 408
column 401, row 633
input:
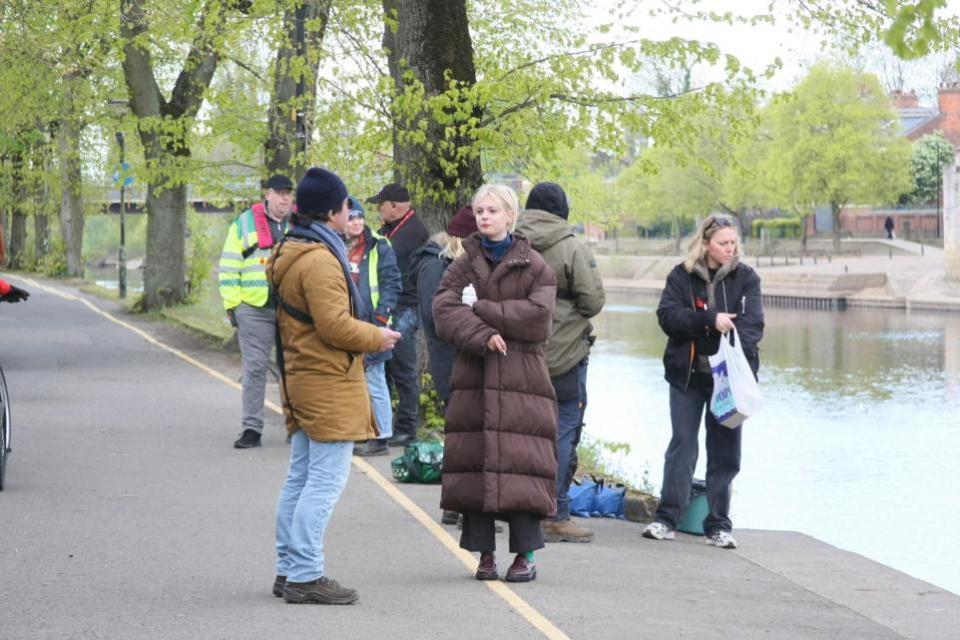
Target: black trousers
column 687, row 408
column 479, row 531
column 403, row 374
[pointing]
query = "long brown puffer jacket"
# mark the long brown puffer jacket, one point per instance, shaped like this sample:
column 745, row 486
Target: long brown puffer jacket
column 501, row 434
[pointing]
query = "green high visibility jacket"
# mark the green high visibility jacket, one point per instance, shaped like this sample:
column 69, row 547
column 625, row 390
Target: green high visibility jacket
column 243, row 261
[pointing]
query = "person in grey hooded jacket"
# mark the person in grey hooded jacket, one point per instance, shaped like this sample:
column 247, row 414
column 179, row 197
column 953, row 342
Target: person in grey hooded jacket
column 580, row 296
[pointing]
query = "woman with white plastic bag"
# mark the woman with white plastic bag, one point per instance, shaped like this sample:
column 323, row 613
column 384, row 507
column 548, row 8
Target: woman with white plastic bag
column 705, row 297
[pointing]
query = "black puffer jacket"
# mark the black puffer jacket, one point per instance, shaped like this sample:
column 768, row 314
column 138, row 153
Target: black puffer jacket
column 426, row 271
column 689, row 321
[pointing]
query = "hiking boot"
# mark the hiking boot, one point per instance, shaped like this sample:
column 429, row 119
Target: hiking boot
column 722, row 539
column 401, row 440
column 449, row 517
column 565, row 531
column 278, row 584
column 658, row 531
column 372, row 448
column 522, row 570
column 487, row 569
column 248, row 439
column 320, row 591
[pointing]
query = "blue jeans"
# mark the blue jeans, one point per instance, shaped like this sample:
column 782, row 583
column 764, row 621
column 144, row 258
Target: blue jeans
column 318, row 473
column 376, row 375
column 568, row 436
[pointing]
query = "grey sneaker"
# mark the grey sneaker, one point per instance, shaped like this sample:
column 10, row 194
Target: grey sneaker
column 722, row 539
column 658, row 531
column 320, row 591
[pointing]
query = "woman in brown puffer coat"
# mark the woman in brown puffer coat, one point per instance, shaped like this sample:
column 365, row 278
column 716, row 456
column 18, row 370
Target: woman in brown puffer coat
column 495, row 304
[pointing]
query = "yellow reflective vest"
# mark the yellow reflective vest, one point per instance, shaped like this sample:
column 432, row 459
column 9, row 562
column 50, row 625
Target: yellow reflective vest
column 243, row 263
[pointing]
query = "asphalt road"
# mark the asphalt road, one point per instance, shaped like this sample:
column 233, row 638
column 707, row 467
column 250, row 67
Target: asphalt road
column 127, row 514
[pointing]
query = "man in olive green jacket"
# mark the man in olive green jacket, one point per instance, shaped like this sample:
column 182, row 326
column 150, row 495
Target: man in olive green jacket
column 580, row 297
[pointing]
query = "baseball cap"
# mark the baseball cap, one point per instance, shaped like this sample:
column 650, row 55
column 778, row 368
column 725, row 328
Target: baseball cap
column 279, row 182
column 392, row 192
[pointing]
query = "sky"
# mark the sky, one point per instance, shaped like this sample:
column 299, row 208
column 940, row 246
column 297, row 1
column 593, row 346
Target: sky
column 758, row 47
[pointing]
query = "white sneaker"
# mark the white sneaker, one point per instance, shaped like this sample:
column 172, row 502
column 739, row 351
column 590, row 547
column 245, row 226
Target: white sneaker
column 722, row 539
column 658, row 531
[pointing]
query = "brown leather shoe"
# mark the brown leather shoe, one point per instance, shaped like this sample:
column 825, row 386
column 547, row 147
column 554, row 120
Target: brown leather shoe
column 487, row 570
column 320, row 591
column 522, row 570
column 278, row 584
column 565, row 531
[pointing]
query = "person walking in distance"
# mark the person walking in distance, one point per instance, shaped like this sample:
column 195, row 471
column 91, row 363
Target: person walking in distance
column 247, row 297
column 373, row 267
column 326, row 404
column 495, row 304
column 707, row 295
column 406, row 232
column 580, row 296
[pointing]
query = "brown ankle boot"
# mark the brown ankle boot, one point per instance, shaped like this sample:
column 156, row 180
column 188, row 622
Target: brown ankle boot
column 487, row 570
column 565, row 531
column 522, row 570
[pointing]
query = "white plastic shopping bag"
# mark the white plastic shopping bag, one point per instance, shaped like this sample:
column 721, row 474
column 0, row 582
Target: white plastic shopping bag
column 736, row 395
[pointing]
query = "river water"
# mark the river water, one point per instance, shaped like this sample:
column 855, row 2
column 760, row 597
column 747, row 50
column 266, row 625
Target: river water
column 858, row 443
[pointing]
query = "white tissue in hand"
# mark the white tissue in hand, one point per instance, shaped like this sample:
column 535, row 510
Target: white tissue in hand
column 469, row 295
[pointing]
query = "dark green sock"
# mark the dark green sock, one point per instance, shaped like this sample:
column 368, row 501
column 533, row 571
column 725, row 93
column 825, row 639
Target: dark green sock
column 528, row 555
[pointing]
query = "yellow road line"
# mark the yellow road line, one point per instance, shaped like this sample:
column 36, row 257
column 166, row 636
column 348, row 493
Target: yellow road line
column 521, row 606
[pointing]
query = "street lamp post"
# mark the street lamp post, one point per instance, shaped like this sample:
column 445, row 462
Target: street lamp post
column 939, row 189
column 121, row 108
column 122, row 255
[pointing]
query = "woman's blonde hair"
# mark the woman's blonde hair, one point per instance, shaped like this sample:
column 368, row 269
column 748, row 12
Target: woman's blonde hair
column 451, row 247
column 505, row 195
column 697, row 248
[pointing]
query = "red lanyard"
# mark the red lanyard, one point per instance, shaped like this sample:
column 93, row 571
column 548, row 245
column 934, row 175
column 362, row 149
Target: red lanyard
column 402, row 222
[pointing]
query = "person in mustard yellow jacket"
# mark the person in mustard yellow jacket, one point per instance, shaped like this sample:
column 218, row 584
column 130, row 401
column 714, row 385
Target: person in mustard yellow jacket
column 246, row 295
column 326, row 404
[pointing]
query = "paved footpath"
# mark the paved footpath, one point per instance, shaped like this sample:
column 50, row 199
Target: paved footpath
column 127, row 514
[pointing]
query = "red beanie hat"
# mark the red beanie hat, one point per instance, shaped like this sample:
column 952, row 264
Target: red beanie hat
column 462, row 224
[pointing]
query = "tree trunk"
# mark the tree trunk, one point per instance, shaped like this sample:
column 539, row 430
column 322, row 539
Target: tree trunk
column 18, row 238
column 164, row 270
column 71, row 202
column 41, row 236
column 433, row 41
column 18, row 225
column 835, row 209
column 280, row 147
column 803, row 233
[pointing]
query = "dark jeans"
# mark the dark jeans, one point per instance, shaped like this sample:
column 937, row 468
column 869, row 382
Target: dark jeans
column 723, row 458
column 403, row 374
column 479, row 535
column 571, row 409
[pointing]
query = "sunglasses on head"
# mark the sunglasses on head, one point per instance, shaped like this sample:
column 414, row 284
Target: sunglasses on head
column 717, row 221
column 353, row 215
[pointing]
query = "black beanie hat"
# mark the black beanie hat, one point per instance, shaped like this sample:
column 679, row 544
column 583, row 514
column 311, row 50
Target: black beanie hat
column 320, row 191
column 549, row 197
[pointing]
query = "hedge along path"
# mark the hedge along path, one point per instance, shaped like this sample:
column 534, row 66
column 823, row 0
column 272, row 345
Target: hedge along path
column 521, row 606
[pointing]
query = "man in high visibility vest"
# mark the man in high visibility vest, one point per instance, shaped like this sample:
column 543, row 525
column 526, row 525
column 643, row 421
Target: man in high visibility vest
column 373, row 266
column 247, row 296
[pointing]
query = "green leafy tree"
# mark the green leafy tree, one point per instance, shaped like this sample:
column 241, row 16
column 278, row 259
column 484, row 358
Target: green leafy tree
column 153, row 34
column 930, row 154
column 836, row 140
